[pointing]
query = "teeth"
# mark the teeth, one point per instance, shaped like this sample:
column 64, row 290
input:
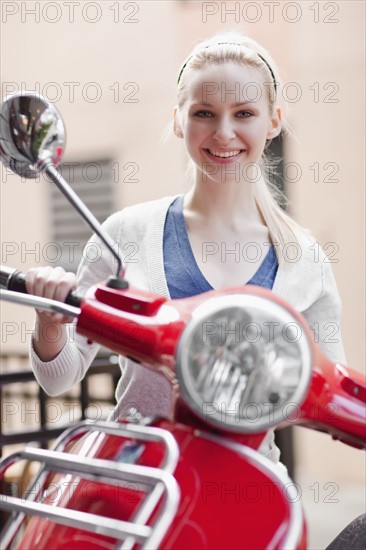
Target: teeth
column 224, row 155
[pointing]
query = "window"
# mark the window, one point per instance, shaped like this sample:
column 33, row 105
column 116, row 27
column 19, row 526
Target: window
column 94, row 183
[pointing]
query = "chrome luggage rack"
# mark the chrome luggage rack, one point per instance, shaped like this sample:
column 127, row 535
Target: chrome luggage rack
column 155, row 482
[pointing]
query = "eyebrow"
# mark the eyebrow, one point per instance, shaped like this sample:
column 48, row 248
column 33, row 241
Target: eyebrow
column 237, row 104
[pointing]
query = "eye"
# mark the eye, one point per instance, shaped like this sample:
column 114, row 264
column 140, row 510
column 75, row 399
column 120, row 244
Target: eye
column 203, row 114
column 244, row 114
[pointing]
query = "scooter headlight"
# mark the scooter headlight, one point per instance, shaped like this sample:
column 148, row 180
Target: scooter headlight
column 243, row 363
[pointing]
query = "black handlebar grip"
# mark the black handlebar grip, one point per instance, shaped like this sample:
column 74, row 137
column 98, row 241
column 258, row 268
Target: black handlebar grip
column 16, row 282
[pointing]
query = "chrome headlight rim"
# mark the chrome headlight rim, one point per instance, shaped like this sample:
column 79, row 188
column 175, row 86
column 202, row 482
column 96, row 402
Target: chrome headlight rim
column 219, row 304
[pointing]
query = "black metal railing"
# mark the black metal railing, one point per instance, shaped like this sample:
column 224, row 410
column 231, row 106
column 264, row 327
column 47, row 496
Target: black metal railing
column 43, row 434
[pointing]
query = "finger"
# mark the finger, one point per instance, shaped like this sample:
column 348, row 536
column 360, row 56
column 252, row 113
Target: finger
column 68, row 320
column 67, row 283
column 51, row 282
column 49, row 315
column 30, row 279
column 53, row 318
column 41, row 277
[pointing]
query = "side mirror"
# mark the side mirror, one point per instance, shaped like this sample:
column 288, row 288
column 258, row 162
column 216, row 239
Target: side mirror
column 32, row 134
column 32, row 139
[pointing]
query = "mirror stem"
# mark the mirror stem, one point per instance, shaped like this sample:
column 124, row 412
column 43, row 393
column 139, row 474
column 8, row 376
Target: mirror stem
column 88, row 217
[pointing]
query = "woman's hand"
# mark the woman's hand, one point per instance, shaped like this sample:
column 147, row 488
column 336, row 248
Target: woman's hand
column 53, row 283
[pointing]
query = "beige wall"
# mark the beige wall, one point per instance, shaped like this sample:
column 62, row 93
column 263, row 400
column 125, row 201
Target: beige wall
column 149, row 53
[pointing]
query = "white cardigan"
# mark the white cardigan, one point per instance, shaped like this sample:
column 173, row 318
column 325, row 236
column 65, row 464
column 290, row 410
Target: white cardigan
column 306, row 284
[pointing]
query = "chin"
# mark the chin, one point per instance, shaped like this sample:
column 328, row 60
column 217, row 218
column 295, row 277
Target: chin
column 220, row 179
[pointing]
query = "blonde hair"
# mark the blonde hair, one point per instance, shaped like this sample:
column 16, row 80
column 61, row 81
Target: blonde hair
column 234, row 47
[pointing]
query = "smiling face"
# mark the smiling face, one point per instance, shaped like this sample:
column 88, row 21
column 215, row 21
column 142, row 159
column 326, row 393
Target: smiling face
column 225, row 121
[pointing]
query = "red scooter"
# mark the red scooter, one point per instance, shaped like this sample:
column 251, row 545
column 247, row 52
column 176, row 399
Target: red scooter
column 245, row 362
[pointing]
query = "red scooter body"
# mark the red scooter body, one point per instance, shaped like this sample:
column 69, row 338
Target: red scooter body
column 230, row 497
column 219, row 491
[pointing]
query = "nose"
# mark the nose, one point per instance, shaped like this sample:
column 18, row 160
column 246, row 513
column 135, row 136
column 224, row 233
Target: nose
column 224, row 130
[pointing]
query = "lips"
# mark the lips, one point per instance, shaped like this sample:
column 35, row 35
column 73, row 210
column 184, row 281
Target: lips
column 224, row 153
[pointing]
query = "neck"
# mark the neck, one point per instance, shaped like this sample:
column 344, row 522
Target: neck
column 229, row 202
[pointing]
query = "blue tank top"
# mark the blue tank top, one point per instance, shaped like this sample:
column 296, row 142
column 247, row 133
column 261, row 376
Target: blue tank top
column 184, row 277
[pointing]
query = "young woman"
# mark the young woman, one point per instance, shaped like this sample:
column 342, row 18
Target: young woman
column 227, row 231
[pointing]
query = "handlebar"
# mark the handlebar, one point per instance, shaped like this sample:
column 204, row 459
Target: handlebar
column 13, row 279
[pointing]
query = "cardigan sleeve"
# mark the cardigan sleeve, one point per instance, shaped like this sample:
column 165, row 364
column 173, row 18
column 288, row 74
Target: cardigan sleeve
column 324, row 315
column 70, row 365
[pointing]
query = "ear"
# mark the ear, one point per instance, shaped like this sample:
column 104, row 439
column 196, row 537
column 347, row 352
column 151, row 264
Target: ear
column 177, row 128
column 275, row 125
